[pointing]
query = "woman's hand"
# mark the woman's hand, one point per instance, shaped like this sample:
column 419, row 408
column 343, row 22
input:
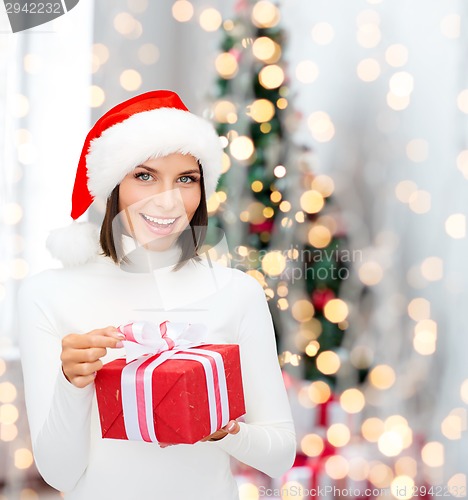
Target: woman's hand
column 232, row 427
column 81, row 353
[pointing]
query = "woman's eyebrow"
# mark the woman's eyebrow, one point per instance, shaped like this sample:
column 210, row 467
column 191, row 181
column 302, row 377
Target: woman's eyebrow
column 154, row 171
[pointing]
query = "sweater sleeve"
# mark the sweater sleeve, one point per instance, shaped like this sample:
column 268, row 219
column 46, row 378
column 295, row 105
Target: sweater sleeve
column 267, row 438
column 59, row 413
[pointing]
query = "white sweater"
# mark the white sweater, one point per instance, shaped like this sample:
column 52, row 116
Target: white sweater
column 65, row 430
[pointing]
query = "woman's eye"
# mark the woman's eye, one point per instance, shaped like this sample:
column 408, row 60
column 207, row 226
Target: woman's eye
column 186, row 179
column 144, row 176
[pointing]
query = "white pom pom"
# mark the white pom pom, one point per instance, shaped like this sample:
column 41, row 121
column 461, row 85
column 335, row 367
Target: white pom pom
column 75, row 244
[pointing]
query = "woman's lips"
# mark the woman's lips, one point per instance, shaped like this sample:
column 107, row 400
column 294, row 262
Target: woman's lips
column 161, row 229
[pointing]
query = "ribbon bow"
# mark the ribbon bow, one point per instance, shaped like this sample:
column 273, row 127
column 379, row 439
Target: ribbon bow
column 143, row 337
column 170, row 340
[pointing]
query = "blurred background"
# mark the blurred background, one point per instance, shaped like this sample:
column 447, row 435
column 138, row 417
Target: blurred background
column 344, row 194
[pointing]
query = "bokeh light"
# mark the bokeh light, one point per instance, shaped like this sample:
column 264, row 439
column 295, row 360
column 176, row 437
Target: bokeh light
column 420, row 201
column 8, row 414
column 432, row 268
column 352, row 400
column 457, row 485
column 242, row 148
column 319, row 391
column 226, row 65
column 273, row 263
column 337, row 467
column 225, row 111
column 462, row 101
column 335, row 310
column 323, row 184
column 12, row 214
column 23, row 458
column 8, row 392
column 396, row 55
column 404, row 190
column 417, row 150
column 382, row 376
column 148, row 54
column 307, row 71
column 265, row 14
column 338, row 435
column 450, row 26
column 302, row 310
column 370, row 273
column 372, row 428
column 432, row 454
column 323, row 33
column 261, row 110
column 182, row 10
column 319, row 236
column 368, row 70
column 328, row 362
column 401, row 84
column 271, row 76
column 311, row 201
column 321, row 126
column 312, row 445
column 97, row 96
column 19, row 105
column 402, row 487
column 455, row 226
column 266, row 50
column 130, row 79
column 419, row 308
column 210, row 19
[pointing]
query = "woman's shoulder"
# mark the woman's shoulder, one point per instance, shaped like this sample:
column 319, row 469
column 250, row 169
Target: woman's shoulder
column 40, row 280
column 240, row 279
column 55, row 280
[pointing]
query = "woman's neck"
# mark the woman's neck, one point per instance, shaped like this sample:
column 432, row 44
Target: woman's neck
column 140, row 259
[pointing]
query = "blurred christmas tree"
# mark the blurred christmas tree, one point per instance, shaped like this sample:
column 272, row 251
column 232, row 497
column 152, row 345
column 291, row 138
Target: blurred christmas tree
column 277, row 214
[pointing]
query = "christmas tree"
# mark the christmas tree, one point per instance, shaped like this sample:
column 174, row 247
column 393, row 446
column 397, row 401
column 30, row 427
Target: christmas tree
column 277, row 214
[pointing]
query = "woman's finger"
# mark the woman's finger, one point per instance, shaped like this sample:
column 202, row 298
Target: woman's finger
column 232, row 427
column 83, row 381
column 88, row 355
column 76, row 341
column 109, row 330
column 86, row 369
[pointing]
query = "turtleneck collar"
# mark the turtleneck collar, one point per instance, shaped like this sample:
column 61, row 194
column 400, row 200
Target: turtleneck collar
column 142, row 260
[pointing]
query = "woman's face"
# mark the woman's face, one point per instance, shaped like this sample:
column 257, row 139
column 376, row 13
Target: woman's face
column 158, row 199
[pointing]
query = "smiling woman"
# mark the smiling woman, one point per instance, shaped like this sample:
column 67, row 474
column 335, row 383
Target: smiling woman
column 155, row 164
column 160, row 199
column 158, row 203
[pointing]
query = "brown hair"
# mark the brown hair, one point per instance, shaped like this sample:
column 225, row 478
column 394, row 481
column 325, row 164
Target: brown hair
column 189, row 240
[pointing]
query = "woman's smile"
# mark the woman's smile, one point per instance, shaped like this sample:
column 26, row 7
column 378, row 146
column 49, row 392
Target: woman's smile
column 159, row 198
column 160, row 225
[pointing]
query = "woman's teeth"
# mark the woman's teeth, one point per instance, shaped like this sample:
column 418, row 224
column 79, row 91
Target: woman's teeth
column 158, row 221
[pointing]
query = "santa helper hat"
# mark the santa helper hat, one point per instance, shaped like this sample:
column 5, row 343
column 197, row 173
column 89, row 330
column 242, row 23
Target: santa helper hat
column 149, row 125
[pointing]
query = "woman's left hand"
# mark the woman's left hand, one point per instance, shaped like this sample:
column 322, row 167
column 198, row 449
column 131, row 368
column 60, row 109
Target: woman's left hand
column 232, row 427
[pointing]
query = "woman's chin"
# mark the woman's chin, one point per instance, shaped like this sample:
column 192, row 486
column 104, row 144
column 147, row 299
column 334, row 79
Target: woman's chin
column 158, row 244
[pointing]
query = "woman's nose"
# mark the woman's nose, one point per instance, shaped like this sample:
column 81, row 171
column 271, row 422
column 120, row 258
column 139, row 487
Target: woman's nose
column 167, row 199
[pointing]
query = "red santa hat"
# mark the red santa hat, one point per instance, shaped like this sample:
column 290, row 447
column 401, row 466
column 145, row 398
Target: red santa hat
column 149, row 125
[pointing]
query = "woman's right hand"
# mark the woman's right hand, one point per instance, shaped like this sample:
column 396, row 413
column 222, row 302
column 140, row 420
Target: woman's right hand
column 81, row 353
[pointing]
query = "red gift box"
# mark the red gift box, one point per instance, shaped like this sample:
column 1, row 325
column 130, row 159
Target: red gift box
column 181, row 409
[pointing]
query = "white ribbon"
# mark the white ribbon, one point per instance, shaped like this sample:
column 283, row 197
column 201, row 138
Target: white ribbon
column 143, row 337
column 169, row 341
